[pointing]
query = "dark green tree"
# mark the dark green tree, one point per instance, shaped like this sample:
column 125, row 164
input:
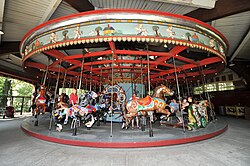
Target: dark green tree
column 5, row 91
column 22, row 88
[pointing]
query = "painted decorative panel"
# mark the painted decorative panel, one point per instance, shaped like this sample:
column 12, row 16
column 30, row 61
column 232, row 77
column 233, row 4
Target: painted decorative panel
column 120, row 26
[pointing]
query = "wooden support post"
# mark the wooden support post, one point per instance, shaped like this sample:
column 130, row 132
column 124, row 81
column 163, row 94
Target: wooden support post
column 22, row 106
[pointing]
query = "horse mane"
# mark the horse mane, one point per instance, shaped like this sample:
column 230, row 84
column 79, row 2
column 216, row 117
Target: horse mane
column 155, row 90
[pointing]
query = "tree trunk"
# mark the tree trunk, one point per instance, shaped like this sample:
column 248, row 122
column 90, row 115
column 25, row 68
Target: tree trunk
column 7, row 84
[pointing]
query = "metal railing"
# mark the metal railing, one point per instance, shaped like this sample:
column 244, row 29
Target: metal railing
column 20, row 103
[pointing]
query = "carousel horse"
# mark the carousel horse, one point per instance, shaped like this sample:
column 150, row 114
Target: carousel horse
column 85, row 112
column 88, row 98
column 146, row 106
column 76, row 112
column 197, row 115
column 86, row 106
column 40, row 102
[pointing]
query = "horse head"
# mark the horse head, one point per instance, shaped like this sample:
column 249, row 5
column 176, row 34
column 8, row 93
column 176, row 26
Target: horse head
column 93, row 94
column 161, row 90
column 166, row 90
column 42, row 89
column 88, row 98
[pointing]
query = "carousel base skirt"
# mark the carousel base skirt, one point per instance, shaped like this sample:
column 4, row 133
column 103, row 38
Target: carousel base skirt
column 112, row 136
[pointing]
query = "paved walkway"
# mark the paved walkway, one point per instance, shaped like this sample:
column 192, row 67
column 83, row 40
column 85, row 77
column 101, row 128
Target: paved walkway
column 16, row 116
column 230, row 148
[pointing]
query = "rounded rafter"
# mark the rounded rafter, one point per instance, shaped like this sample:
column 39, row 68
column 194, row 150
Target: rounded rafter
column 128, row 35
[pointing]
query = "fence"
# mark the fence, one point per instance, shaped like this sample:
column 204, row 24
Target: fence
column 20, row 103
column 235, row 110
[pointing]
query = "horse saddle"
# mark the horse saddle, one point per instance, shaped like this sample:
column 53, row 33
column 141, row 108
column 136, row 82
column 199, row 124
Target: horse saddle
column 41, row 100
column 145, row 101
column 91, row 108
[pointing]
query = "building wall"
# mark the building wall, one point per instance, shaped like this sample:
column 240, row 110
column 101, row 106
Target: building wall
column 229, row 75
column 239, row 96
column 230, row 98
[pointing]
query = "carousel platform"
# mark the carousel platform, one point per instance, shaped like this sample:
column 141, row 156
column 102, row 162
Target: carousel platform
column 101, row 137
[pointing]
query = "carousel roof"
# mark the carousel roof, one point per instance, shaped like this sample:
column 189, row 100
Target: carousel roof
column 126, row 46
column 16, row 22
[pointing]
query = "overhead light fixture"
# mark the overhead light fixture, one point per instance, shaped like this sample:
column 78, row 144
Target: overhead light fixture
column 86, row 50
column 1, row 32
column 231, row 64
column 8, row 59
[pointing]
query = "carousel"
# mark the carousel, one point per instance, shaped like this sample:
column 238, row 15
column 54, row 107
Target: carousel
column 133, row 72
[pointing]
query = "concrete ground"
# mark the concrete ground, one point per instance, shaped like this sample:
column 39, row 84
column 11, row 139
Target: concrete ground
column 230, row 148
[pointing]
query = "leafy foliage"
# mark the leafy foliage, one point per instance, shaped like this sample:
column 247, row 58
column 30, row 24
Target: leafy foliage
column 13, row 87
column 22, row 88
column 2, row 79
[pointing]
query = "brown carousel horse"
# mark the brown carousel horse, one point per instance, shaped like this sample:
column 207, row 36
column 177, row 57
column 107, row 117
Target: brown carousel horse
column 146, row 106
column 40, row 102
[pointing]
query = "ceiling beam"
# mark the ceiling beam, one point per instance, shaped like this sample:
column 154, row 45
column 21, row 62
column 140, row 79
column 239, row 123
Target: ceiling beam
column 87, row 55
column 173, row 52
column 81, row 5
column 208, row 4
column 11, row 70
column 2, row 3
column 181, row 58
column 222, row 8
column 52, row 6
column 241, row 45
column 211, row 60
column 189, row 66
column 18, row 76
column 9, row 47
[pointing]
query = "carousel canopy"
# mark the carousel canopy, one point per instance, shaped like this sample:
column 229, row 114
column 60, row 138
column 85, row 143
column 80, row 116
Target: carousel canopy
column 125, row 43
column 18, row 17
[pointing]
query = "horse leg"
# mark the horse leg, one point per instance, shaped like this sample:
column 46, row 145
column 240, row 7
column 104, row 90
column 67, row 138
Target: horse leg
column 128, row 119
column 123, row 122
column 90, row 123
column 53, row 117
column 74, row 126
column 151, row 117
column 98, row 118
column 143, row 123
column 36, row 116
column 133, row 123
column 137, row 121
column 35, row 112
column 44, row 109
column 163, row 111
column 67, row 116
